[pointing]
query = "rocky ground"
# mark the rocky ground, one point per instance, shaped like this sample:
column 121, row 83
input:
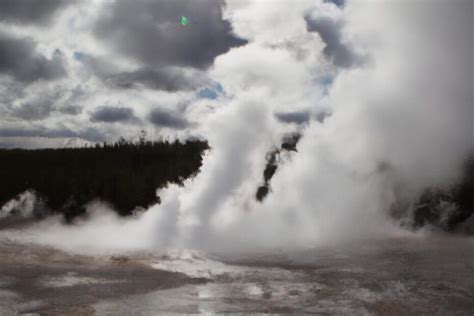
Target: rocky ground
column 407, row 276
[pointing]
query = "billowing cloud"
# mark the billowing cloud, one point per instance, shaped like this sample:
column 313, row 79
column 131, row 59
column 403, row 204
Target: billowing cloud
column 19, row 59
column 164, row 118
column 159, row 78
column 112, row 114
column 121, row 53
column 149, row 32
column 30, row 11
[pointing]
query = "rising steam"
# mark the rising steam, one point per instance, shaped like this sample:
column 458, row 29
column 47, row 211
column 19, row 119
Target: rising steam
column 400, row 122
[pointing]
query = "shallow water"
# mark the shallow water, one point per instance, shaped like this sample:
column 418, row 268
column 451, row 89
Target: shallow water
column 419, row 275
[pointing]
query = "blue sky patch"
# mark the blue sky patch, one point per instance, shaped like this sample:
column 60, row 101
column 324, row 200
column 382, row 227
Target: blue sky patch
column 211, row 92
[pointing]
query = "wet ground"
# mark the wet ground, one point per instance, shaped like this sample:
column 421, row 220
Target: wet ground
column 407, row 276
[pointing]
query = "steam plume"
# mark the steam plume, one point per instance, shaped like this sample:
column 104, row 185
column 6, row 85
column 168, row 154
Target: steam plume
column 401, row 121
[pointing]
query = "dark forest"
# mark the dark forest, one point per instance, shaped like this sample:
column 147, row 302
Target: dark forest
column 125, row 174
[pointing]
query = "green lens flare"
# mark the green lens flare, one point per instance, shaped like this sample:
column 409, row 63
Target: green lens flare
column 184, row 20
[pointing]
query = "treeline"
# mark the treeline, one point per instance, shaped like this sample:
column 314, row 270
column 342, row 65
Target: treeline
column 125, row 174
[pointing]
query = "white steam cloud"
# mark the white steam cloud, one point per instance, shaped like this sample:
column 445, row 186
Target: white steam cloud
column 22, row 206
column 401, row 121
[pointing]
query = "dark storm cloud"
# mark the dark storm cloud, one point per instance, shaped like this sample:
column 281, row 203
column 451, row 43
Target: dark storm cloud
column 336, row 50
column 163, row 118
column 113, row 114
column 159, row 78
column 293, row 117
column 149, row 31
column 33, row 111
column 19, row 59
column 70, row 109
column 30, row 11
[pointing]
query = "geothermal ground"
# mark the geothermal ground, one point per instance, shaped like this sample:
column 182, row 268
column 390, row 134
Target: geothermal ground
column 405, row 276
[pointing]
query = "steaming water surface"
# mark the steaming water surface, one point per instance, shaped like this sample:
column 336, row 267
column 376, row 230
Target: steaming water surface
column 414, row 275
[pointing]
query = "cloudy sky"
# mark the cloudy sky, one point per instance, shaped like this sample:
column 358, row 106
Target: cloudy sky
column 98, row 70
